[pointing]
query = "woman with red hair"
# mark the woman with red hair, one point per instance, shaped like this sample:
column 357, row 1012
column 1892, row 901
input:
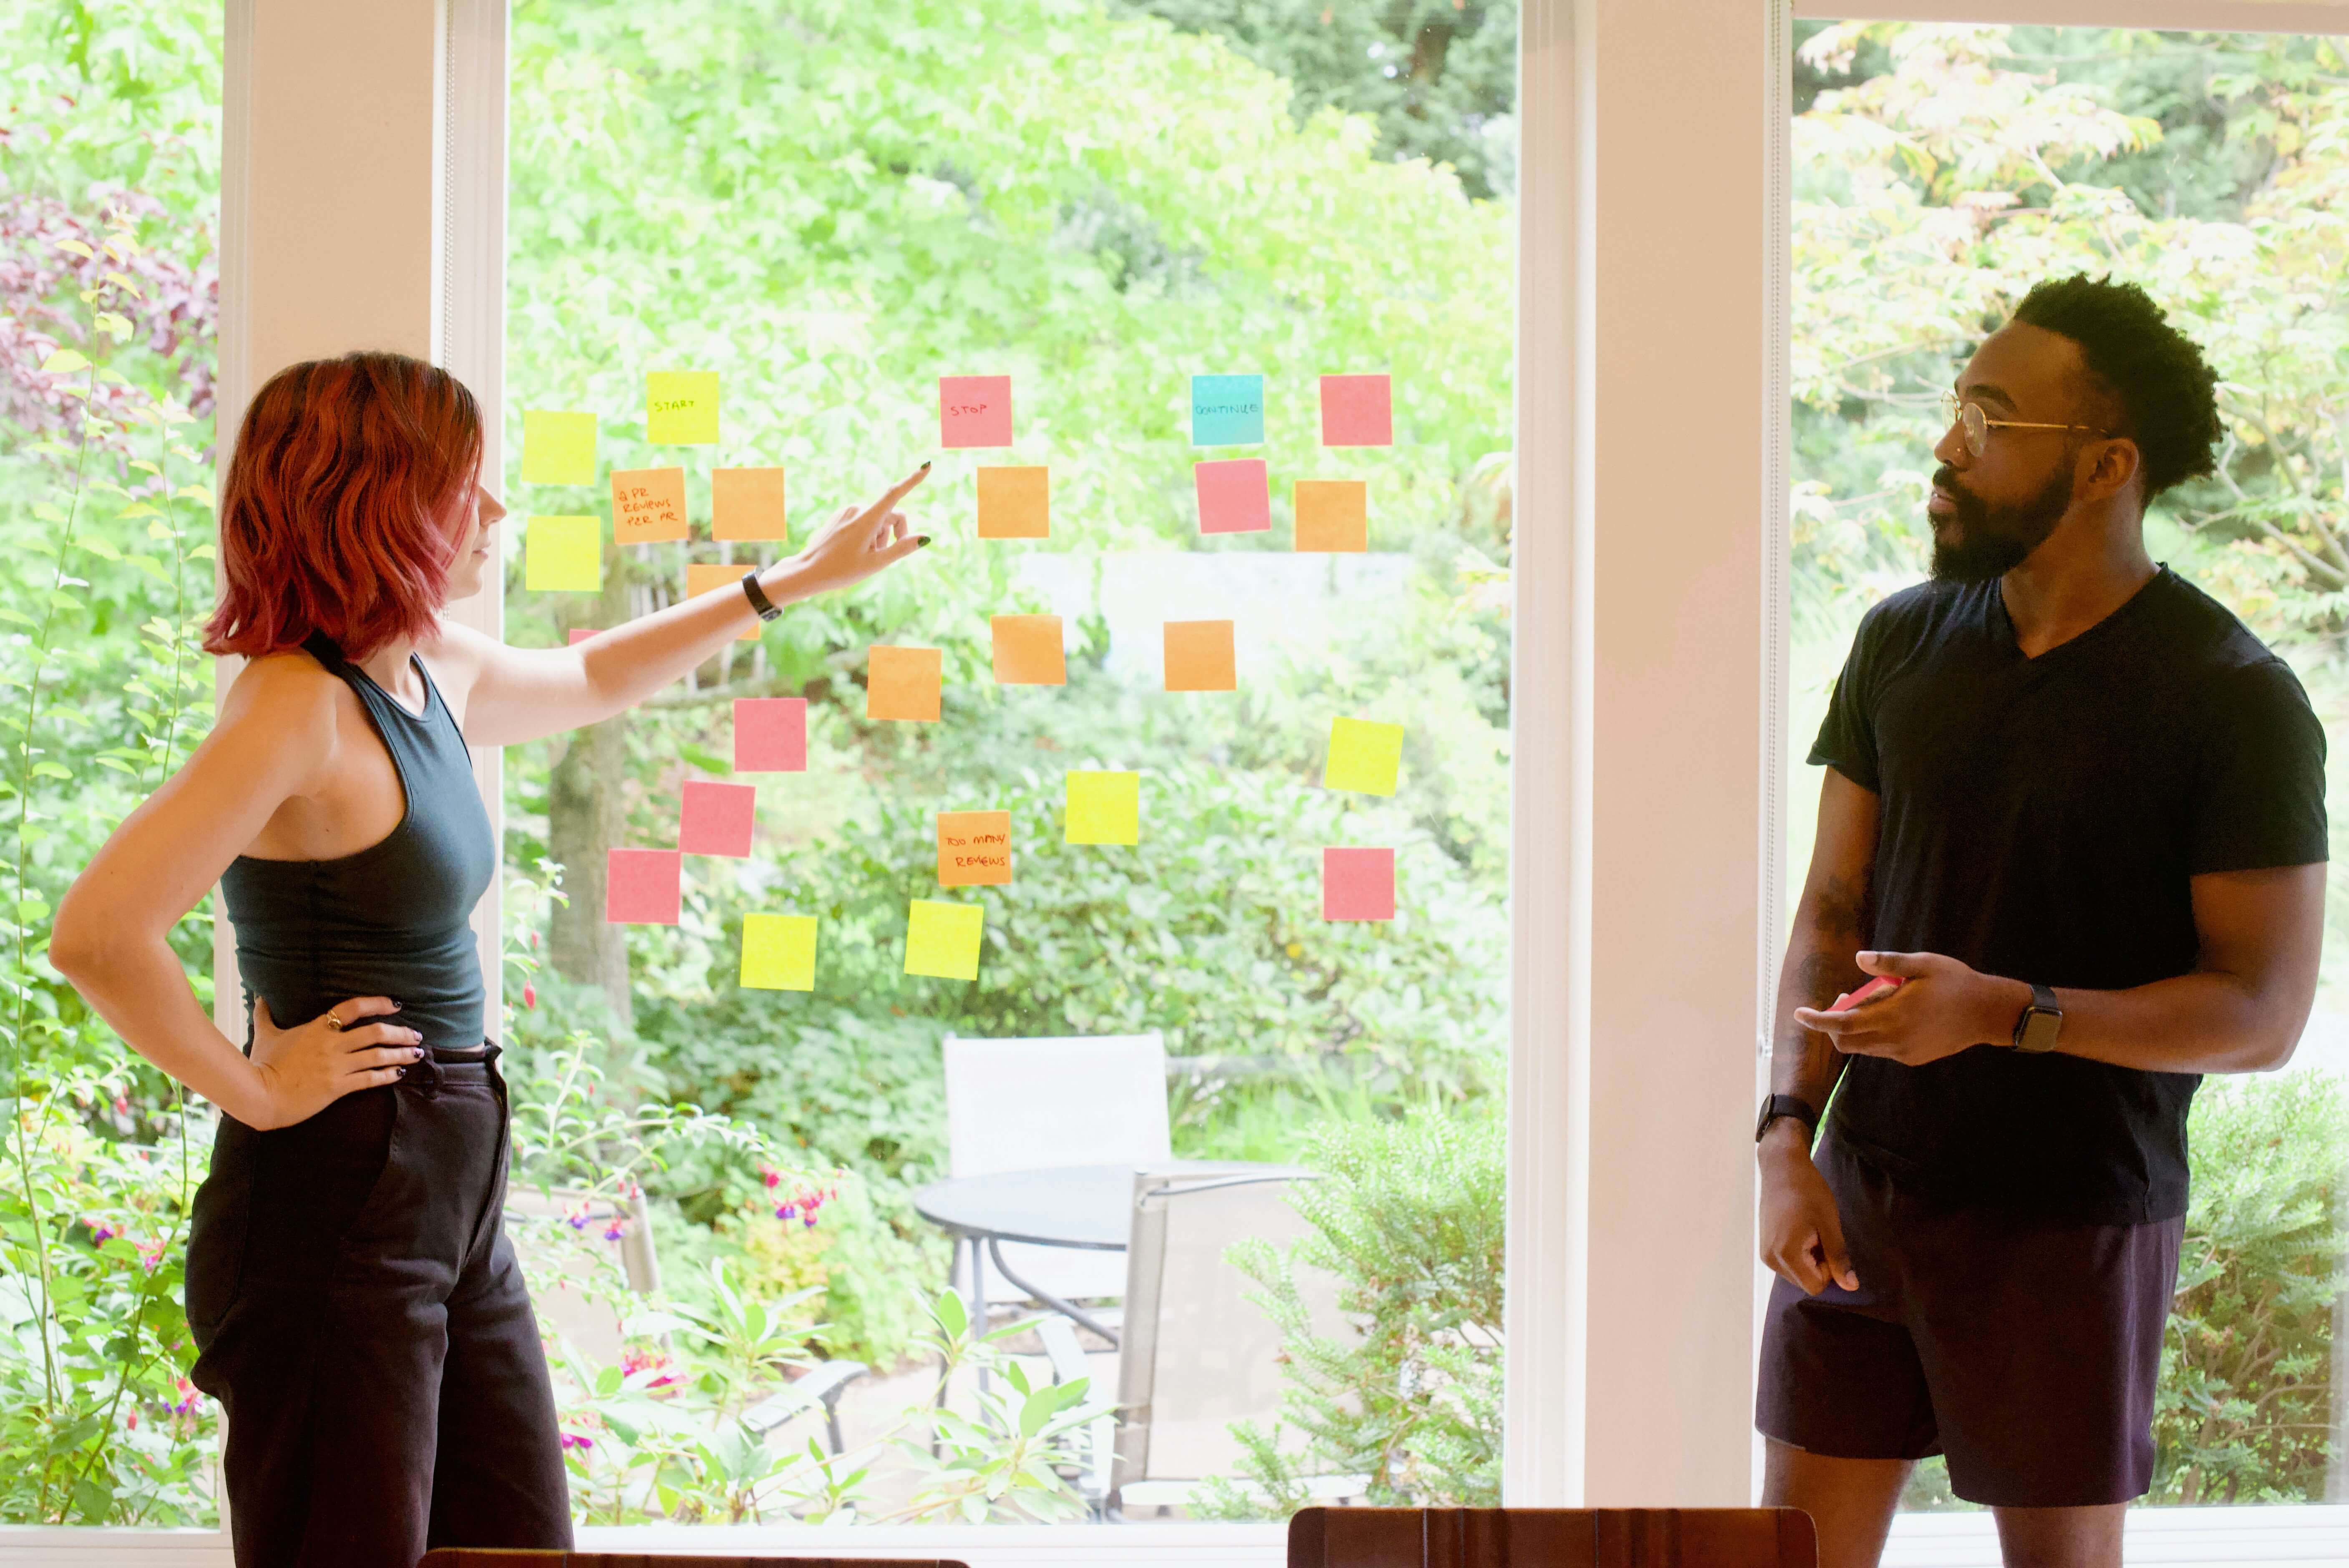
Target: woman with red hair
column 357, row 1306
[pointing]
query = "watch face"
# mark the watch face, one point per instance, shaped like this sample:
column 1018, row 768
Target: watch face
column 2039, row 1030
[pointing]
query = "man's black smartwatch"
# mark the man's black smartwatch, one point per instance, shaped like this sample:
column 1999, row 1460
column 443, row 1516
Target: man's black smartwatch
column 2036, row 1030
column 768, row 609
column 1778, row 1105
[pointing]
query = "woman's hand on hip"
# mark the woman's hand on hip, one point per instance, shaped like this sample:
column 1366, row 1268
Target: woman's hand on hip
column 857, row 542
column 307, row 1068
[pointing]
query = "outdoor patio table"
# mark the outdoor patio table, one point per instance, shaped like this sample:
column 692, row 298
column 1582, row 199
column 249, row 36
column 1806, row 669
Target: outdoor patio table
column 1088, row 1207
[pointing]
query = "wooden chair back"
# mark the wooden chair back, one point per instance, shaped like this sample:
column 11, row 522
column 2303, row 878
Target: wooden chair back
column 501, row 1557
column 1552, row 1538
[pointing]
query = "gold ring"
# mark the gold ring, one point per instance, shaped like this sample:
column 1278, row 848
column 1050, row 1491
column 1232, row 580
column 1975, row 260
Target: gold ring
column 334, row 1022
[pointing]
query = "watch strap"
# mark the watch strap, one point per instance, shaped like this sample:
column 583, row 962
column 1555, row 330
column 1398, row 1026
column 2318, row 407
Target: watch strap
column 1778, row 1105
column 767, row 608
column 2042, row 1004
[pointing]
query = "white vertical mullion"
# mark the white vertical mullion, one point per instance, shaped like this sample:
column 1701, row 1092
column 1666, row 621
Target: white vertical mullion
column 232, row 390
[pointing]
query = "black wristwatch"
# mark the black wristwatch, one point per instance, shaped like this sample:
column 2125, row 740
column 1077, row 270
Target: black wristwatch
column 1778, row 1105
column 2041, row 1022
column 768, row 609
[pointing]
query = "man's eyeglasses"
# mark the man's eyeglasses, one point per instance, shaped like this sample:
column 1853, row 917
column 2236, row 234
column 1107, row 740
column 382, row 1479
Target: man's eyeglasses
column 1977, row 426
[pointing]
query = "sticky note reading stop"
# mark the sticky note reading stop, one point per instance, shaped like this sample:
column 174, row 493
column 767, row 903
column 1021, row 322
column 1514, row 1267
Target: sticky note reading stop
column 708, row 576
column 1015, row 503
column 1104, row 807
column 746, row 503
column 1235, row 496
column 1358, row 884
column 1364, row 756
column 771, row 735
column 558, row 448
column 1027, row 651
column 1333, row 516
column 974, row 410
column 642, row 887
column 942, row 939
column 681, row 407
column 903, row 684
column 579, row 635
column 1357, row 411
column 1199, row 657
column 974, row 849
column 716, row 819
column 648, row 505
column 562, row 555
column 778, row 952
column 1226, row 410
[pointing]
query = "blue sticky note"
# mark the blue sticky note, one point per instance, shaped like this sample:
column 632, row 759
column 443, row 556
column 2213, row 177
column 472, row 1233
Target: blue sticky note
column 1226, row 410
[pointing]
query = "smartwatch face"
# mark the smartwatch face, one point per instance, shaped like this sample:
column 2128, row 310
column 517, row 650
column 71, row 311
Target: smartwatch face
column 2039, row 1030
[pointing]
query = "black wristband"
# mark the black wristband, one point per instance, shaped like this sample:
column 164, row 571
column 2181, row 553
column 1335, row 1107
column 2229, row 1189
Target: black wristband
column 767, row 608
column 1778, row 1105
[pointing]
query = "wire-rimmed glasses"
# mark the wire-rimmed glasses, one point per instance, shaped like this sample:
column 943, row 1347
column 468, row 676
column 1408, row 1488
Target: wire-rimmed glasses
column 1977, row 426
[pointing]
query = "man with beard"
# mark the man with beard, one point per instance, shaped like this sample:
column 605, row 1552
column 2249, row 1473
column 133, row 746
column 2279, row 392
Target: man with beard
column 2076, row 812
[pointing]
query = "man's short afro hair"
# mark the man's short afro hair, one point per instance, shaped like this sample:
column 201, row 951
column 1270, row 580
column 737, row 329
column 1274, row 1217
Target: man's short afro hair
column 2161, row 391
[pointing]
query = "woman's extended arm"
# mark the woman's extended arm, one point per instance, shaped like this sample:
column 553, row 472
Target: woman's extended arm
column 275, row 737
column 513, row 695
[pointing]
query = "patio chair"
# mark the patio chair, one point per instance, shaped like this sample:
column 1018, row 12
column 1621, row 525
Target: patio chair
column 1032, row 1104
column 1552, row 1538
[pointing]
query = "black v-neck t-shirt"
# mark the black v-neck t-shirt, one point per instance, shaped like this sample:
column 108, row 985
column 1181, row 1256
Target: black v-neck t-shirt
column 2040, row 820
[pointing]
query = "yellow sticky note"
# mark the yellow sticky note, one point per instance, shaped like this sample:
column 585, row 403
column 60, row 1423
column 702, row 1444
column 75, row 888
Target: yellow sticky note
column 1104, row 807
column 648, row 505
column 702, row 576
column 557, row 448
column 1333, row 516
column 681, row 407
column 942, row 939
column 1199, row 657
column 564, row 555
column 746, row 503
column 1015, row 503
column 778, row 952
column 903, row 684
column 1027, row 650
column 1364, row 756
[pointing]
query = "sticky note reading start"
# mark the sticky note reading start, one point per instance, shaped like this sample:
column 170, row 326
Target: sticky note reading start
column 974, row 849
column 681, row 407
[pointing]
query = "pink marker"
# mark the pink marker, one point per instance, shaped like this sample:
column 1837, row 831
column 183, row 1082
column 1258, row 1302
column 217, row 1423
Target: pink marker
column 1868, row 993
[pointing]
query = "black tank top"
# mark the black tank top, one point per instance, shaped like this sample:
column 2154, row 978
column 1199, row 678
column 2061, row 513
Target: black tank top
column 392, row 920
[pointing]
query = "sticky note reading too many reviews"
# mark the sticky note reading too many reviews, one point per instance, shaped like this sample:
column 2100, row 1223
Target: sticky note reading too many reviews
column 942, row 939
column 562, row 555
column 903, row 684
column 1199, row 657
column 1027, row 650
column 974, row 849
column 1226, row 410
column 1333, row 516
column 1235, row 496
column 1015, row 503
column 681, row 407
column 642, row 887
column 648, row 505
column 557, row 448
column 771, row 735
column 746, row 503
column 708, row 576
column 1357, row 411
column 1364, row 756
column 1104, row 807
column 778, row 952
column 1358, row 884
column 716, row 819
column 974, row 410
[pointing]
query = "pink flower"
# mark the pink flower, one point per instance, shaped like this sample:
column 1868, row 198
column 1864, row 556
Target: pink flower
column 577, row 1440
column 615, row 1231
column 529, row 995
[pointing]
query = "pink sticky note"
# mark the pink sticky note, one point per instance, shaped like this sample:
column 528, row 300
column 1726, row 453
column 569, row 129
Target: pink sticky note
column 1235, row 496
column 1358, row 884
column 717, row 818
column 642, row 887
column 581, row 634
column 1357, row 411
column 974, row 410
column 1868, row 993
column 771, row 735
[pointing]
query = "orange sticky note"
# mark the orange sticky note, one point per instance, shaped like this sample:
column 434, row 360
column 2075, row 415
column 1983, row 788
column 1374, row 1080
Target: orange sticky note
column 1333, row 515
column 648, row 505
column 974, row 849
column 1015, row 503
column 903, row 684
column 1027, row 651
column 1199, row 657
column 704, row 576
column 746, row 503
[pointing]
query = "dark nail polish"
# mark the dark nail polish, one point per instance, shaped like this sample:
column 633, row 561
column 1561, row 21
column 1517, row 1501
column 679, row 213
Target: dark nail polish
column 922, row 540
column 418, row 1054
column 924, row 469
column 399, row 1072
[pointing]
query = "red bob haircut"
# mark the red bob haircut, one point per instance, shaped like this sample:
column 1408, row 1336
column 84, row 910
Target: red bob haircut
column 342, row 511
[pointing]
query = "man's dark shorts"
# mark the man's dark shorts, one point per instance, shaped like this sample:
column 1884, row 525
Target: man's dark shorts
column 2027, row 1354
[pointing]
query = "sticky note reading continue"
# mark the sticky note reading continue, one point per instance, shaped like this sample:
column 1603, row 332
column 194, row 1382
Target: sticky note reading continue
column 1333, row 516
column 974, row 849
column 1199, row 657
column 681, row 407
column 974, row 410
column 1027, row 651
column 1226, row 410
column 1358, row 884
column 707, row 576
column 1364, row 756
column 1235, row 496
column 771, row 735
column 1015, row 503
column 648, row 505
column 942, row 939
column 1357, row 411
column 557, row 448
column 902, row 684
column 642, row 887
column 716, row 819
column 562, row 555
column 746, row 503
column 1104, row 808
column 778, row 952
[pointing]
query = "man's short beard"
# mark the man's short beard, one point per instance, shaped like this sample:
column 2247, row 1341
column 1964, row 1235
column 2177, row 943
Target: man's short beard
column 1991, row 542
